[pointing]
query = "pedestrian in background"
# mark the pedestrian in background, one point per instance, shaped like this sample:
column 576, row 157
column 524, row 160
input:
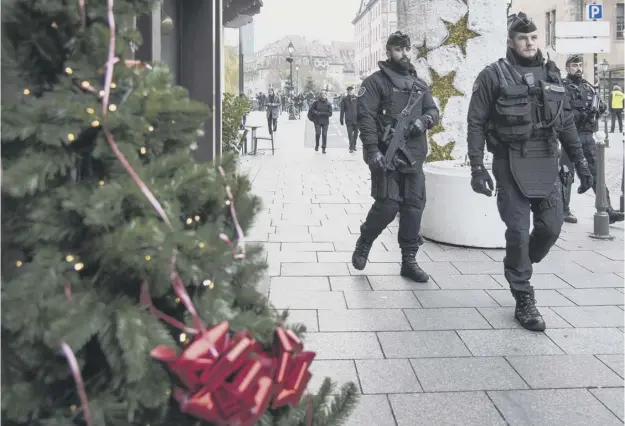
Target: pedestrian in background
column 273, row 111
column 321, row 111
column 349, row 112
column 616, row 108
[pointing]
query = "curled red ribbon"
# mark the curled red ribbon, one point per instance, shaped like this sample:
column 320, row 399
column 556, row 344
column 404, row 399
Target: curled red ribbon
column 235, row 219
column 108, row 79
column 80, row 386
column 83, row 14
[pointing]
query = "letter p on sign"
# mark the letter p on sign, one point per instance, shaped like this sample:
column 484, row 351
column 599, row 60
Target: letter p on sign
column 594, row 11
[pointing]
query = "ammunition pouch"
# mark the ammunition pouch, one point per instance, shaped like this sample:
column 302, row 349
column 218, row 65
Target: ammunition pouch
column 385, row 184
column 514, row 110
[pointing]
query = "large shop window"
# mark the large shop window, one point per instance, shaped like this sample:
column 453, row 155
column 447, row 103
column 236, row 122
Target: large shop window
column 170, row 37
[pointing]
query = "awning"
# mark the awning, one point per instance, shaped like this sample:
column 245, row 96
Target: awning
column 234, row 9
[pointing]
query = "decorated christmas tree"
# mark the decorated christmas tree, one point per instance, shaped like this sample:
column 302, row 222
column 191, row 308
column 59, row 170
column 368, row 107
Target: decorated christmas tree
column 128, row 290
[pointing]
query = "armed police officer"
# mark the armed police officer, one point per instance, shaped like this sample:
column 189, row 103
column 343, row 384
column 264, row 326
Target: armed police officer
column 395, row 110
column 587, row 108
column 520, row 109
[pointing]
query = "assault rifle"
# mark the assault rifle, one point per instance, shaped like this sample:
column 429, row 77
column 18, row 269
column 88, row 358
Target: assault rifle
column 395, row 134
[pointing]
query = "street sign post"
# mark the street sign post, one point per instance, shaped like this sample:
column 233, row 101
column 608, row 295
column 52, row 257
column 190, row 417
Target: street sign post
column 583, row 37
column 594, row 11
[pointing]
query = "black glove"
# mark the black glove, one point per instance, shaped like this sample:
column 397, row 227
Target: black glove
column 376, row 161
column 481, row 182
column 418, row 127
column 342, row 124
column 585, row 177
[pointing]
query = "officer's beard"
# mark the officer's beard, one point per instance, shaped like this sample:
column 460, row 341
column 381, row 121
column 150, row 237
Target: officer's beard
column 576, row 77
column 401, row 65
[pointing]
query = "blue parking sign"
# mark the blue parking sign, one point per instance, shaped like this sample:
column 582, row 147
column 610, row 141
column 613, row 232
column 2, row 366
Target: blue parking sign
column 594, row 11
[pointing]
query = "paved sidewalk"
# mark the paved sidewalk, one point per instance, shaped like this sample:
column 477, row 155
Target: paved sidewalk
column 447, row 352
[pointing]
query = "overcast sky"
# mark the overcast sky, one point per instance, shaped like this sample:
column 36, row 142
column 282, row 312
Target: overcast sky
column 323, row 20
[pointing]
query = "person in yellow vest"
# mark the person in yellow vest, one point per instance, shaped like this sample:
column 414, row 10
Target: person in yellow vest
column 616, row 107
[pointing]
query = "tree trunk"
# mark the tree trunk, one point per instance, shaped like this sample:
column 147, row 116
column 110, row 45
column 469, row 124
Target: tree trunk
column 424, row 20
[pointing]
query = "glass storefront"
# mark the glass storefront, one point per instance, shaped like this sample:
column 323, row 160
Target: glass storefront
column 231, row 60
column 170, row 37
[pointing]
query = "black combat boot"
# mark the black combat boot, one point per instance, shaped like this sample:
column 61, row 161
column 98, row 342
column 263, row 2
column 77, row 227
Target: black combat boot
column 323, row 150
column 526, row 313
column 614, row 215
column 410, row 268
column 569, row 217
column 361, row 253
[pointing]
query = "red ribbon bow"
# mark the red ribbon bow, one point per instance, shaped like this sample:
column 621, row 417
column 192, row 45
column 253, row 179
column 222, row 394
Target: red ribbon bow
column 232, row 380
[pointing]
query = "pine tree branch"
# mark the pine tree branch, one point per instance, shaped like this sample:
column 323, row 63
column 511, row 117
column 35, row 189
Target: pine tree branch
column 341, row 407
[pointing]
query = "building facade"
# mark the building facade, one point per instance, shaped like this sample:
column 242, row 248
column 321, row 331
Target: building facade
column 546, row 13
column 374, row 22
column 329, row 65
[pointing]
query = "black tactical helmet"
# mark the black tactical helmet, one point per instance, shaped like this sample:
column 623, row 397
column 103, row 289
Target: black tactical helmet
column 398, row 39
column 574, row 59
column 520, row 23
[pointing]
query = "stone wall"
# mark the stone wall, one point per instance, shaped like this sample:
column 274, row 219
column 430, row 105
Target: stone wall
column 452, row 43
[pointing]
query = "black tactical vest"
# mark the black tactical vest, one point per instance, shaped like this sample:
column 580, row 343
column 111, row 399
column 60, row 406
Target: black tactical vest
column 390, row 107
column 528, row 115
column 529, row 105
column 401, row 86
column 580, row 98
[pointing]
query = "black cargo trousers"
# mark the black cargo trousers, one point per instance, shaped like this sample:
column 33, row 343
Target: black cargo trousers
column 522, row 247
column 396, row 192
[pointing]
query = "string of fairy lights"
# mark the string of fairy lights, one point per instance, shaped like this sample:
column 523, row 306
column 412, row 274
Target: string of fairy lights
column 71, row 137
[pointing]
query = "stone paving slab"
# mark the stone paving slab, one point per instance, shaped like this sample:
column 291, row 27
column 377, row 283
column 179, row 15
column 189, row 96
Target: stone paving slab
column 466, row 374
column 561, row 407
column 453, row 408
column 564, row 371
column 445, row 352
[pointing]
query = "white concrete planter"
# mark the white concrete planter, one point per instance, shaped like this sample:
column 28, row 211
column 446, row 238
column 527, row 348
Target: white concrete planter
column 454, row 214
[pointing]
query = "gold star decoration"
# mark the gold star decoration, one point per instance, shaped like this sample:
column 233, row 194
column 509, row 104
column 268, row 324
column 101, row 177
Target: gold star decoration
column 422, row 51
column 438, row 152
column 443, row 88
column 459, row 33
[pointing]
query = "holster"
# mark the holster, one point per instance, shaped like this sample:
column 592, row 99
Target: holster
column 566, row 178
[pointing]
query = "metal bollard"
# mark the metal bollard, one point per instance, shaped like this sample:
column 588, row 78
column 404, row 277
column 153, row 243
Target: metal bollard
column 623, row 175
column 601, row 218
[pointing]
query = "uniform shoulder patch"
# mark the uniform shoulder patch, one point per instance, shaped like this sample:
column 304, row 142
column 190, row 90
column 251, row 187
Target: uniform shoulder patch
column 476, row 87
column 361, row 91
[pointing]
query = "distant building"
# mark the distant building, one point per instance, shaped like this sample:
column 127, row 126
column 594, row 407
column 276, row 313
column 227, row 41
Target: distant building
column 330, row 65
column 374, row 22
column 547, row 12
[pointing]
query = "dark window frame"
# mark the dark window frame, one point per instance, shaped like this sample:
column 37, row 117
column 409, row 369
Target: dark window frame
column 619, row 20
